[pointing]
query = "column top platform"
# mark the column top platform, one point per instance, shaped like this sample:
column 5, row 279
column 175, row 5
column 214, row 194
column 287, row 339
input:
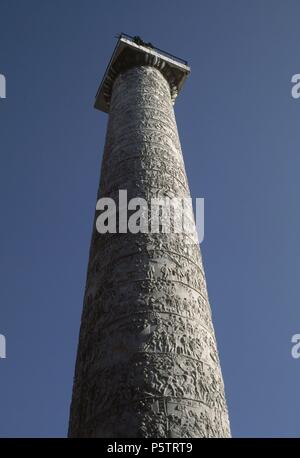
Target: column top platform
column 132, row 51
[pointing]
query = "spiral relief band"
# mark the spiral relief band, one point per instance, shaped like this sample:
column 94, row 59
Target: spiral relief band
column 147, row 362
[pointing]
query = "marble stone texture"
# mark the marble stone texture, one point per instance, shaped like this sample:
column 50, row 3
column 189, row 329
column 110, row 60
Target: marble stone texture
column 147, row 362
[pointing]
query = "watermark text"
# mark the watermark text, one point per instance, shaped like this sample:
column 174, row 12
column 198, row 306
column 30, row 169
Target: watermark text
column 2, row 86
column 158, row 215
column 2, row 346
column 296, row 347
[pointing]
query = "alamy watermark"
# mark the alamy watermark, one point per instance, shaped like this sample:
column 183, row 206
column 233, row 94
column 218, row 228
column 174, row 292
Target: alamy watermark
column 2, row 346
column 158, row 215
column 2, row 96
column 295, row 351
column 2, row 86
column 296, row 86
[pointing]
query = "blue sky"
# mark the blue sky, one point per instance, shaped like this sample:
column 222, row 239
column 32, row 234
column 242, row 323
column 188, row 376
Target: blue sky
column 239, row 128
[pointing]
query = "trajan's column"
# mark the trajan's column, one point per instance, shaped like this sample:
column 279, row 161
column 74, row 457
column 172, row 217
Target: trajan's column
column 147, row 362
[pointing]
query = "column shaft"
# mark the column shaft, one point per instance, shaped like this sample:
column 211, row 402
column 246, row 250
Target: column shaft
column 147, row 362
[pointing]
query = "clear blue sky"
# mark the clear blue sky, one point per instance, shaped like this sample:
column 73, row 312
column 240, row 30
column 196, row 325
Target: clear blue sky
column 240, row 135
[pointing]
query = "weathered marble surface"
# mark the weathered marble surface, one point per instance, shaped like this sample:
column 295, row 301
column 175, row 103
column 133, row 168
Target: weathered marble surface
column 147, row 363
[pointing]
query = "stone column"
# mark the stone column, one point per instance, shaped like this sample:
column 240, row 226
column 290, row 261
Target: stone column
column 147, row 363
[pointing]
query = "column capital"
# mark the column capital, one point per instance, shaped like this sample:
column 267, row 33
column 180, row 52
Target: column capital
column 132, row 51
